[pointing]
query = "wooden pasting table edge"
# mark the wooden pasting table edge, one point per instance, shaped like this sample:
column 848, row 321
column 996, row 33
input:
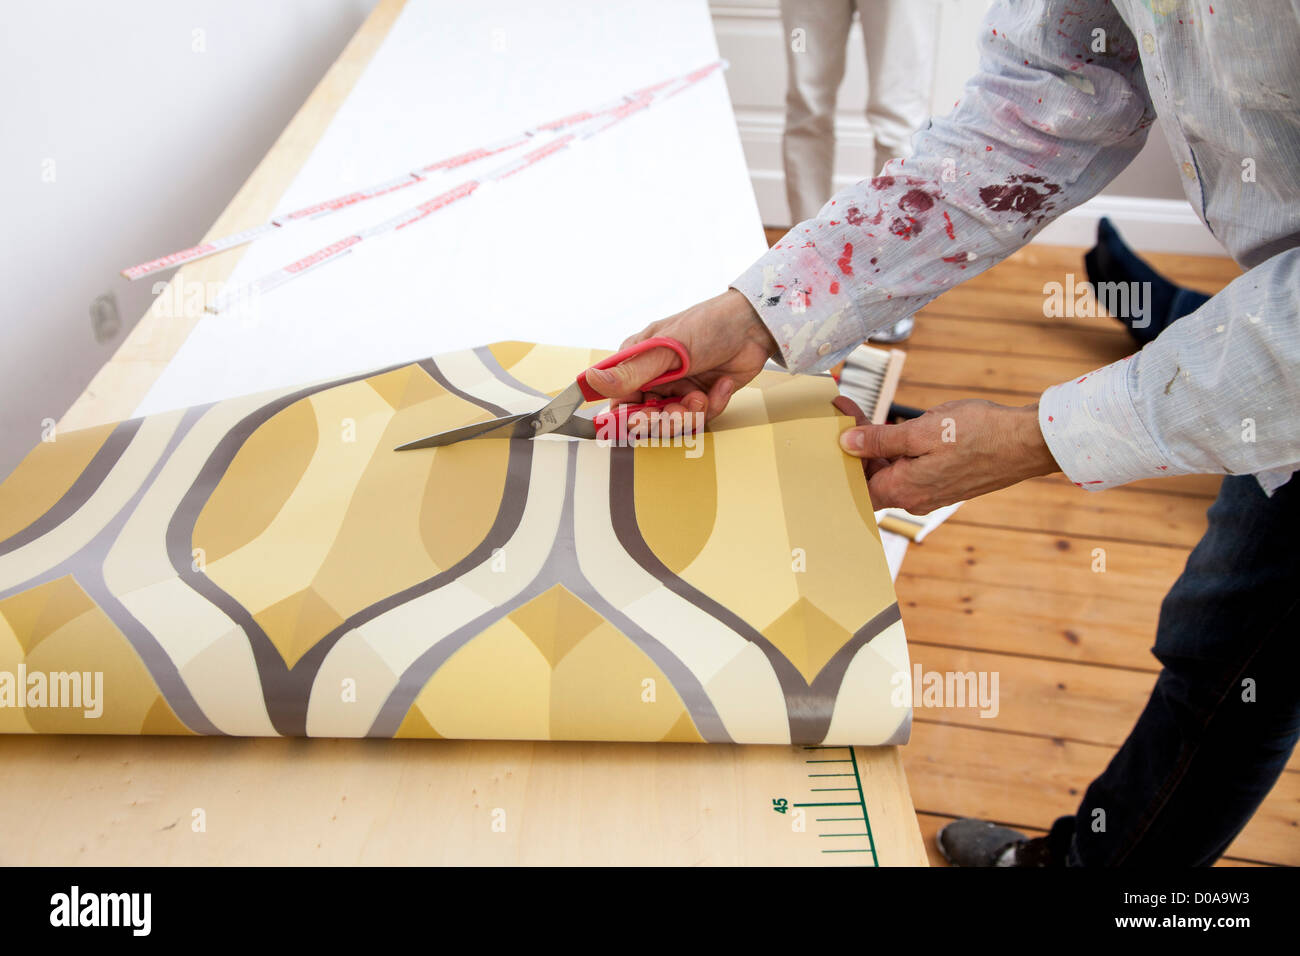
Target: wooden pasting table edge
column 181, row 801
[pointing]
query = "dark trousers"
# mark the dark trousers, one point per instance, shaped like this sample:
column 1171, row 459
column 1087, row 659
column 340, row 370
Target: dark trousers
column 1224, row 715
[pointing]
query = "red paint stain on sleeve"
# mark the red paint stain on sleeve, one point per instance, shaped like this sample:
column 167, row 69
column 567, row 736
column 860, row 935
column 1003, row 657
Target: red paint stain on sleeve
column 835, row 288
column 905, row 227
column 855, row 217
column 947, row 227
column 915, row 201
column 845, row 261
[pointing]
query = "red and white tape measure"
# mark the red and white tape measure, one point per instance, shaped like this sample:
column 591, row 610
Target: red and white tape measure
column 580, row 125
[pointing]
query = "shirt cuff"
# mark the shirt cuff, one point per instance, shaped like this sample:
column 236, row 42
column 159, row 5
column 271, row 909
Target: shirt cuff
column 1093, row 430
column 814, row 330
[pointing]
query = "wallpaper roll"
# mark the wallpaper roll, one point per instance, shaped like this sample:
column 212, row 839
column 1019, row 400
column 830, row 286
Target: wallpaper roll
column 268, row 565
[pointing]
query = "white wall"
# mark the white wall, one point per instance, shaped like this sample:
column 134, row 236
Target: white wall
column 1146, row 199
column 146, row 128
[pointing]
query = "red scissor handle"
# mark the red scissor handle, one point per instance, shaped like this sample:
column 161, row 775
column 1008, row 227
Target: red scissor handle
column 612, row 425
column 658, row 342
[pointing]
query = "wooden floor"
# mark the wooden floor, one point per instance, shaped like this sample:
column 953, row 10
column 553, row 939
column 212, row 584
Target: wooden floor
column 1006, row 584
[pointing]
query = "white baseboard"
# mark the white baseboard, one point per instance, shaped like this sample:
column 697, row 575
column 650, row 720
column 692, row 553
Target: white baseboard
column 1148, row 225
column 769, row 190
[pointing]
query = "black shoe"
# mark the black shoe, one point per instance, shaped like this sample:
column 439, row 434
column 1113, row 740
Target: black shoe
column 972, row 842
column 1111, row 260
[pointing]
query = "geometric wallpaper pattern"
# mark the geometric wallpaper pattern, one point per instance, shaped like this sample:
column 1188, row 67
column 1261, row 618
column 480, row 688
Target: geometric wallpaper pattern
column 268, row 565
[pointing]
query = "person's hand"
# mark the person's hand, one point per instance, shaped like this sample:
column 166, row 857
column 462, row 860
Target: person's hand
column 726, row 341
column 955, row 451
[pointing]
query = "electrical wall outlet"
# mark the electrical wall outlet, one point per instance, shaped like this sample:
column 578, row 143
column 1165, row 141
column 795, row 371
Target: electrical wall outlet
column 105, row 321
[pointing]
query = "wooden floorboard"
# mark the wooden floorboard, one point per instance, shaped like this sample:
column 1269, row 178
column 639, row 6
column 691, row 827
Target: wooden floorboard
column 1025, row 780
column 1088, row 703
column 1025, row 376
column 1047, row 340
column 1010, row 584
column 1047, row 561
column 1053, row 505
column 1051, row 625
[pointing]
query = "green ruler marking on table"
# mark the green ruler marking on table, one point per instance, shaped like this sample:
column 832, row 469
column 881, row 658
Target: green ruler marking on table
column 835, row 806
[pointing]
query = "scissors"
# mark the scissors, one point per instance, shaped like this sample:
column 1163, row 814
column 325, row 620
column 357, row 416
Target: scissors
column 558, row 416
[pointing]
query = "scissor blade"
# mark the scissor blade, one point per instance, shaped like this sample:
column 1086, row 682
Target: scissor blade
column 577, row 427
column 513, row 426
column 559, row 410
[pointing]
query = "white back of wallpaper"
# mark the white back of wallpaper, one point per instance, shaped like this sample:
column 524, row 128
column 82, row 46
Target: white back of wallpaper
column 583, row 248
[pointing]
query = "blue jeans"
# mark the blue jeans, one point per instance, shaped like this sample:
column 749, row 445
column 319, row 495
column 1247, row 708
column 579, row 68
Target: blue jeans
column 1224, row 715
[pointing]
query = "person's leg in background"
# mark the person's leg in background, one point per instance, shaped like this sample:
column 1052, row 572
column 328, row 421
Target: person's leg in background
column 1111, row 260
column 816, row 35
column 899, row 37
column 1224, row 715
column 1222, row 720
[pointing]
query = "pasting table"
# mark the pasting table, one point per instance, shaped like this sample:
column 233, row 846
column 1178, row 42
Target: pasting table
column 218, row 800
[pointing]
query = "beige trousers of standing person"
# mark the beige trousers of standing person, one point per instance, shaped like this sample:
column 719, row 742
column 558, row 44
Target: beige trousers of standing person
column 899, row 36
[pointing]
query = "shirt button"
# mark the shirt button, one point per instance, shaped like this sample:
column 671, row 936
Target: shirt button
column 1189, row 170
column 824, row 349
column 1148, row 43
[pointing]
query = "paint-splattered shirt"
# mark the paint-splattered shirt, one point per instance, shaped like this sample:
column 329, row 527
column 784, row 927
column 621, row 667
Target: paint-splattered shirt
column 1065, row 94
